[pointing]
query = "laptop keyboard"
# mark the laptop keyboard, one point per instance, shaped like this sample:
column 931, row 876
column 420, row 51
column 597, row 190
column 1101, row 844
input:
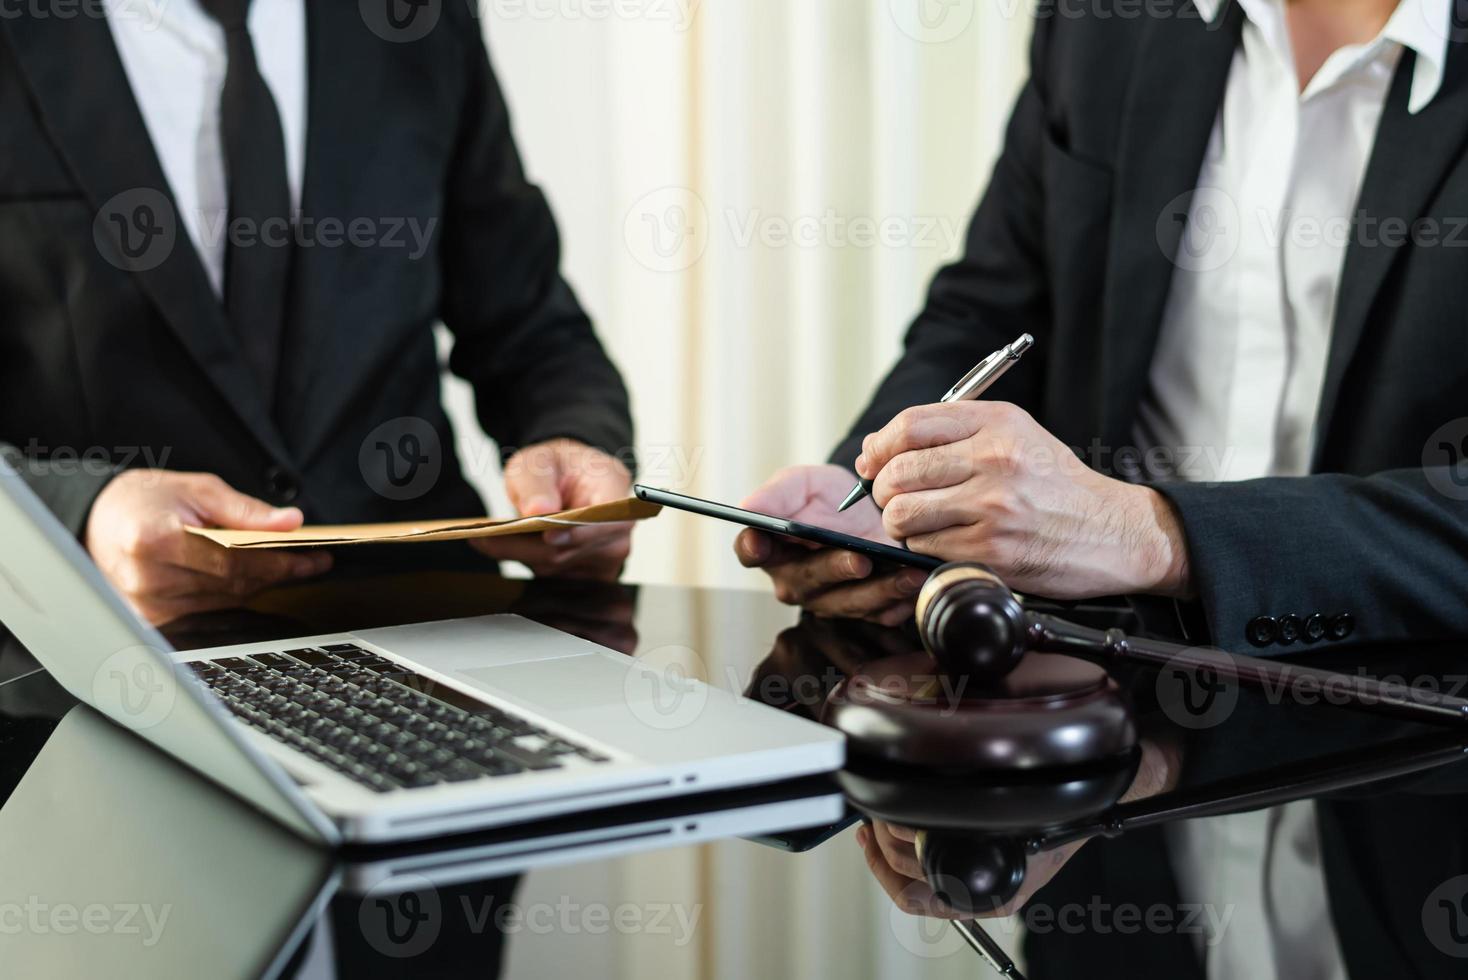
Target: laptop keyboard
column 380, row 723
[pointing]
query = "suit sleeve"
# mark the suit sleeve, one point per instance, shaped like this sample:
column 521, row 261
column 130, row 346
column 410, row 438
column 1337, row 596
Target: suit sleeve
column 67, row 488
column 1386, row 550
column 996, row 291
column 520, row 336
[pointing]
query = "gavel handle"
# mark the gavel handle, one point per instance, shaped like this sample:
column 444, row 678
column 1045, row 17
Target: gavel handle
column 1277, row 680
column 985, row 946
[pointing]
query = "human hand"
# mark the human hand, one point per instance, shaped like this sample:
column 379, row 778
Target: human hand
column 563, row 474
column 983, row 481
column 826, row 581
column 136, row 535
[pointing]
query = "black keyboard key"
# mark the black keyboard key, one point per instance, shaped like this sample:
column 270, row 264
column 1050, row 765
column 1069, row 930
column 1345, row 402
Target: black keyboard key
column 239, row 665
column 273, row 660
column 312, row 657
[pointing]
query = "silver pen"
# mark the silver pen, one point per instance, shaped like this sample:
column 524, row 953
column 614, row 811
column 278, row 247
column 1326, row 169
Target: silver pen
column 970, row 386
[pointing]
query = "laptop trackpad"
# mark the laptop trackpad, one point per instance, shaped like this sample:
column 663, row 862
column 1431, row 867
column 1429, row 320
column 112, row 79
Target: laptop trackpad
column 484, row 641
column 556, row 686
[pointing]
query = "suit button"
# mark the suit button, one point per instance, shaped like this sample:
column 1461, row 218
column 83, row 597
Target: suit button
column 1315, row 628
column 1341, row 626
column 1290, row 628
column 1261, row 630
column 280, row 487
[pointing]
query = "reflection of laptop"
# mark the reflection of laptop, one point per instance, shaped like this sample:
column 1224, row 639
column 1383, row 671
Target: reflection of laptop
column 188, row 876
column 398, row 733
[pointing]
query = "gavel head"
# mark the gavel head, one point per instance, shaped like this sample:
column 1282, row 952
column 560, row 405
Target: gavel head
column 970, row 622
column 972, row 874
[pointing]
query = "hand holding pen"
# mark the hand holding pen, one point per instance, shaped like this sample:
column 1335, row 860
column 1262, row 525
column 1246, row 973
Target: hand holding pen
column 978, row 380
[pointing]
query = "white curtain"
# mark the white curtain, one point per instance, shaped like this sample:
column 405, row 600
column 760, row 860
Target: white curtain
column 752, row 196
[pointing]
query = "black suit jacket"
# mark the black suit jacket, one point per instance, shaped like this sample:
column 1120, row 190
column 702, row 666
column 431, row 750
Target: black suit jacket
column 1073, row 241
column 1108, row 137
column 138, row 363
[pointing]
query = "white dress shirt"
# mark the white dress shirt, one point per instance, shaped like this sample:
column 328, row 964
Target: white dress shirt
column 175, row 58
column 1237, row 374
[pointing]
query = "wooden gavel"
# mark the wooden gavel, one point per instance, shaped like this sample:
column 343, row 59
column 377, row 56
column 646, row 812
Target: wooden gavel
column 1017, row 720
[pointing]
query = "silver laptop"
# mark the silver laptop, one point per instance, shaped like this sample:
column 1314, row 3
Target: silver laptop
column 399, row 733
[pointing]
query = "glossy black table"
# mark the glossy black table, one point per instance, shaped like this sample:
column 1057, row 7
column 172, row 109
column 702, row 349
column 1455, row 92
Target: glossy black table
column 112, row 854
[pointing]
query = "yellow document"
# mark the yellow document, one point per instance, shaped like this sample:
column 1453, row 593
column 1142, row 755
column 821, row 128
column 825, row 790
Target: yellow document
column 406, row 532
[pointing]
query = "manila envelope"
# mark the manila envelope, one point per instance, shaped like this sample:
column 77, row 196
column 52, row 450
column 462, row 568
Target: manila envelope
column 407, row 532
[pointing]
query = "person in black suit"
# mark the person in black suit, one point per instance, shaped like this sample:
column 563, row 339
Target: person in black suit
column 225, row 239
column 1226, row 405
column 1236, row 229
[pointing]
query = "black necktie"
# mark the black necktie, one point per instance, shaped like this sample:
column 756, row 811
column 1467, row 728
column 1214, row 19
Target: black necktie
column 257, row 258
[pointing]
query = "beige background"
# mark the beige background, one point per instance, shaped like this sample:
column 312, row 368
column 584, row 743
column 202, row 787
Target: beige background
column 821, row 159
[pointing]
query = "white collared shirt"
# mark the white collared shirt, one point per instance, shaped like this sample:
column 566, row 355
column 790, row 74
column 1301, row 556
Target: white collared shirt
column 1241, row 355
column 175, row 58
column 1237, row 374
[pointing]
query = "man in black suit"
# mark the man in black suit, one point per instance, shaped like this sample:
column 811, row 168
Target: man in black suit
column 1236, row 231
column 226, row 235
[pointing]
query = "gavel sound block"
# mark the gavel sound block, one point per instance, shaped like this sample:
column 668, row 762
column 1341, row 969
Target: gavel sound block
column 995, row 730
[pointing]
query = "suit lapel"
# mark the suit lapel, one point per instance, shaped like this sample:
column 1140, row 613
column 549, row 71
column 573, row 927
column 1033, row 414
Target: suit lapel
column 77, row 80
column 1408, row 162
column 1182, row 69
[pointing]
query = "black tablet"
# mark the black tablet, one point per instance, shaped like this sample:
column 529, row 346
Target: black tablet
column 881, row 553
